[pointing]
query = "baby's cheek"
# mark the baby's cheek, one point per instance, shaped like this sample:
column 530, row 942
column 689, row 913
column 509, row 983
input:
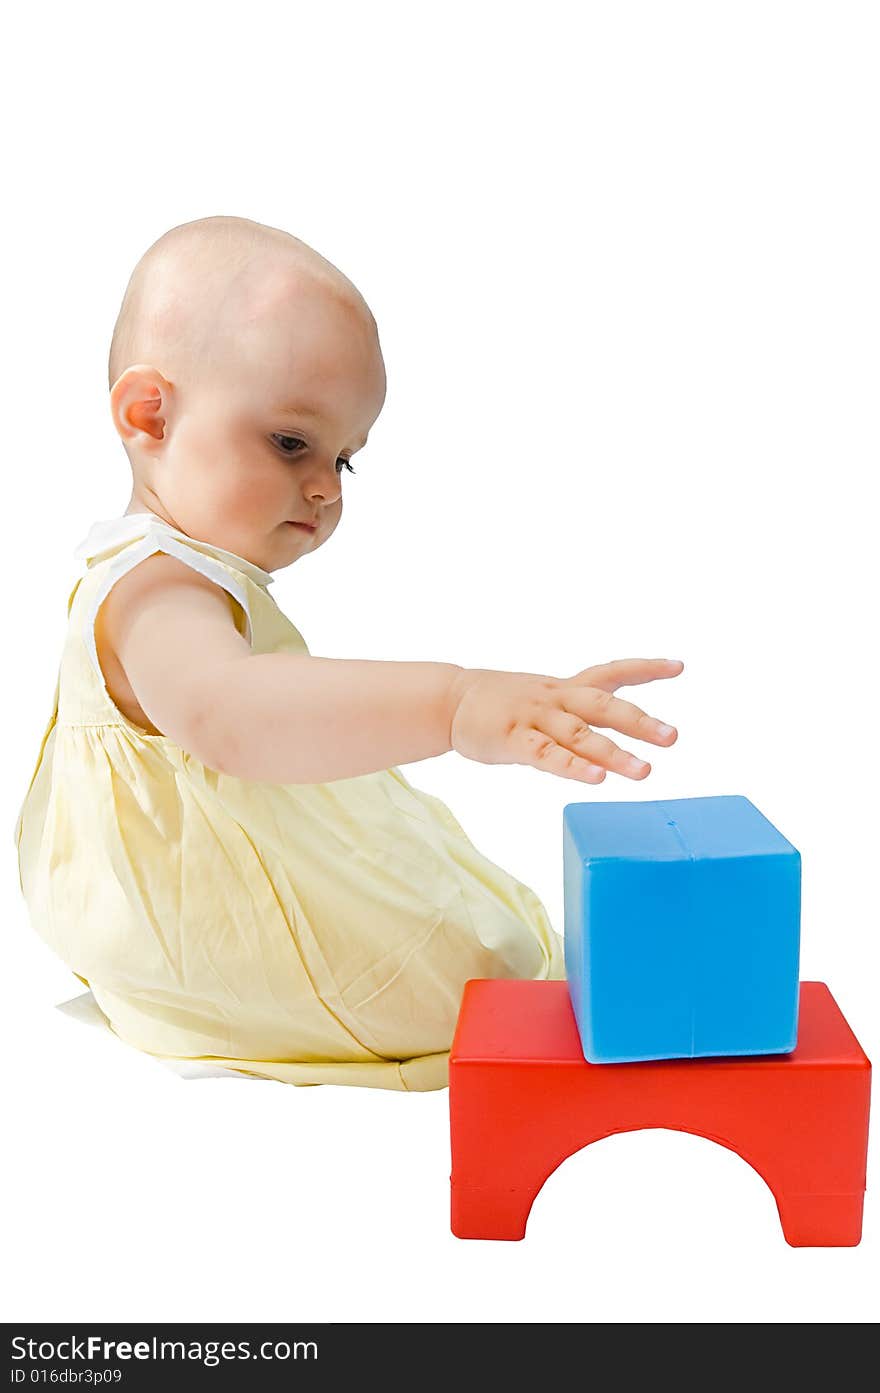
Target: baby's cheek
column 254, row 500
column 268, row 499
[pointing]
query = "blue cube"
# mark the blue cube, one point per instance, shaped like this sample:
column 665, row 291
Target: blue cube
column 682, row 929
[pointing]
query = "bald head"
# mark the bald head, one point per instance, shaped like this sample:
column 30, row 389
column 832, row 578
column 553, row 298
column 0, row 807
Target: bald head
column 206, row 285
column 245, row 371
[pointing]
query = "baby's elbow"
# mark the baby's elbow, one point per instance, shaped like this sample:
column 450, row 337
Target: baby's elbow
column 213, row 743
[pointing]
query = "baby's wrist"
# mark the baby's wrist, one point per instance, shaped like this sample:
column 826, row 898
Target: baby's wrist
column 462, row 679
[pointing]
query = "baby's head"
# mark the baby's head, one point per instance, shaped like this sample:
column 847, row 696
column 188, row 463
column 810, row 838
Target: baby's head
column 245, row 371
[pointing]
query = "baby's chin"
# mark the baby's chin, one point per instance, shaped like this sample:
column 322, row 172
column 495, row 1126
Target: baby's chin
column 294, row 539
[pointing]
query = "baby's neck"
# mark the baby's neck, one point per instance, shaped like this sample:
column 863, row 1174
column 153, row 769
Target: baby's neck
column 136, row 504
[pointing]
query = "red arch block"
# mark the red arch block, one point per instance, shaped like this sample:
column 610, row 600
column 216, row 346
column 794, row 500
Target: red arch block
column 522, row 1098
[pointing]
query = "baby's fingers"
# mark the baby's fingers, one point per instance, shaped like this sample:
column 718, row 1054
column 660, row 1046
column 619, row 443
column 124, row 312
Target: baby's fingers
column 528, row 745
column 572, row 734
column 599, row 708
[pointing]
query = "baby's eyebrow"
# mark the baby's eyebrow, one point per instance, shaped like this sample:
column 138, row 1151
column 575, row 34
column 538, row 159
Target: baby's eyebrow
column 299, row 410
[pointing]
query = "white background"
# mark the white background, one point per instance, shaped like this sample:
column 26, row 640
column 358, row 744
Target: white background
column 624, row 263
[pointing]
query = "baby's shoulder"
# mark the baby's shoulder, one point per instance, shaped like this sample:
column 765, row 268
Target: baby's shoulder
column 158, row 606
column 158, row 579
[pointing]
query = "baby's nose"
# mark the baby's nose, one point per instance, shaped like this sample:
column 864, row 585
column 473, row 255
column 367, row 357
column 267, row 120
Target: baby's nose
column 324, row 483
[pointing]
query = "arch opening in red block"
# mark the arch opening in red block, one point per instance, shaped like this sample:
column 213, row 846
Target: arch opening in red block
column 616, row 1193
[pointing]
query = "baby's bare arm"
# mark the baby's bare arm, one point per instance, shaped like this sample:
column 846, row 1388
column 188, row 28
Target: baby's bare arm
column 294, row 718
column 275, row 717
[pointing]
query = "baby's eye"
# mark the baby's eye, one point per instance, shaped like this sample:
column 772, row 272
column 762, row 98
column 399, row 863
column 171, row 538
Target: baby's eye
column 289, row 444
column 288, row 440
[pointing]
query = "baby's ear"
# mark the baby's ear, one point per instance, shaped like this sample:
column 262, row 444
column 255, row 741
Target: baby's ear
column 140, row 400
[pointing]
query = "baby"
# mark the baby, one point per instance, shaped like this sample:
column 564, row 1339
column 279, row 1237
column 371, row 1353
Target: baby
column 216, row 838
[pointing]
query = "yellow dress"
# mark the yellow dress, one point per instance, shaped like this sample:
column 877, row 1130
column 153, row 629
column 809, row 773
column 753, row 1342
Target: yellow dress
column 312, row 933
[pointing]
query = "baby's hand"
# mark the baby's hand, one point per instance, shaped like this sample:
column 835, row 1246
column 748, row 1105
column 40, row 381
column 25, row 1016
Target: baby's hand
column 526, row 718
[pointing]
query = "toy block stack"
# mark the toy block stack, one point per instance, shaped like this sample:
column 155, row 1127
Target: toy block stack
column 682, row 1009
